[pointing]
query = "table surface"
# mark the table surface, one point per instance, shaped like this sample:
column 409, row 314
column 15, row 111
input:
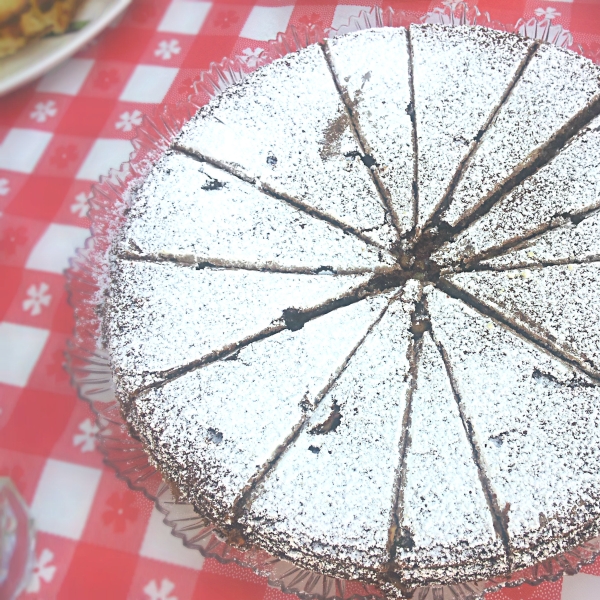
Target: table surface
column 96, row 538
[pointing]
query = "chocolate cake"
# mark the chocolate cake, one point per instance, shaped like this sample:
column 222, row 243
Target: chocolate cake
column 353, row 311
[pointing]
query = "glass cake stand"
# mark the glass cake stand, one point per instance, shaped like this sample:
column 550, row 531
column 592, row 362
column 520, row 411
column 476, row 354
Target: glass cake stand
column 87, row 361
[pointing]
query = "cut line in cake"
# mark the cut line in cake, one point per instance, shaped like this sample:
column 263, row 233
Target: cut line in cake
column 559, row 306
column 273, row 264
column 567, row 187
column 541, row 397
column 234, row 447
column 298, row 153
column 575, row 242
column 209, row 217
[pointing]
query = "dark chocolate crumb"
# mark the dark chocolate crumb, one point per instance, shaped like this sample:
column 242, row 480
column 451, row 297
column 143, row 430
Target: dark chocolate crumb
column 212, row 184
column 330, row 424
column 294, row 319
column 405, row 539
column 214, row 435
column 204, row 265
column 325, row 269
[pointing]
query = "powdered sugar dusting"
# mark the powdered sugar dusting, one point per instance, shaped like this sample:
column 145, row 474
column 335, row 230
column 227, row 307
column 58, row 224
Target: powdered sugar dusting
column 164, row 316
column 328, row 502
column 193, row 212
column 446, row 523
column 570, row 243
column 216, row 428
column 303, row 434
column 460, row 76
column 559, row 304
column 555, row 86
column 287, row 129
column 568, row 185
column 521, row 402
column 378, row 92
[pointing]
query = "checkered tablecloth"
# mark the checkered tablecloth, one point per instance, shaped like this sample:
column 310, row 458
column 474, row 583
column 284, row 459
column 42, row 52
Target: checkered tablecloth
column 96, row 538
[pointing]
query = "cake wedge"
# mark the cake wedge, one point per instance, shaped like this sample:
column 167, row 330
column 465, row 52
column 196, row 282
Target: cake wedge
column 518, row 402
column 220, row 426
column 442, row 478
column 572, row 243
column 329, row 499
column 556, row 96
column 192, row 212
column 558, row 305
column 567, row 186
column 378, row 95
column 166, row 317
column 461, row 77
column 286, row 129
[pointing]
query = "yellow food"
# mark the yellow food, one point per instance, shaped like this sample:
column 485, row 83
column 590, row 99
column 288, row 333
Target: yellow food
column 12, row 8
column 30, row 19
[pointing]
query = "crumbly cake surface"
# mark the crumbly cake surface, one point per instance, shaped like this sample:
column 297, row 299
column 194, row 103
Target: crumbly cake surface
column 555, row 87
column 378, row 93
column 306, row 152
column 442, row 479
column 271, row 343
column 190, row 211
column 167, row 316
column 520, row 401
column 559, row 304
column 568, row 185
column 570, row 243
column 460, row 77
column 331, row 494
column 228, row 445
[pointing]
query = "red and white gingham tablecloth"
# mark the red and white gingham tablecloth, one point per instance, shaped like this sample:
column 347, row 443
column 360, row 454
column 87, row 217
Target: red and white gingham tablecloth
column 96, row 538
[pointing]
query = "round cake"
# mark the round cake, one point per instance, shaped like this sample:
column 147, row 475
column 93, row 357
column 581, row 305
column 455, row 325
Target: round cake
column 353, row 313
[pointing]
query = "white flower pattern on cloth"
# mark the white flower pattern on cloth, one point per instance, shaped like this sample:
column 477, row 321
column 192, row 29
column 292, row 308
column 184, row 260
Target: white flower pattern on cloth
column 4, row 186
column 42, row 571
column 167, row 49
column 251, row 57
column 43, row 110
column 155, row 593
column 38, row 298
column 81, row 205
column 87, row 438
column 547, row 13
column 129, row 120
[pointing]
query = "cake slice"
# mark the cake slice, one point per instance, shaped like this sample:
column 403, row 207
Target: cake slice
column 567, row 185
column 286, row 129
column 571, row 243
column 461, row 76
column 556, row 95
column 446, row 529
column 328, row 501
column 558, row 305
column 378, row 94
column 164, row 316
column 216, row 429
column 524, row 409
column 192, row 212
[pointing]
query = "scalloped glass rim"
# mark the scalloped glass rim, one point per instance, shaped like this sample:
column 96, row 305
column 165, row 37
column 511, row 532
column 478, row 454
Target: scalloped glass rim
column 88, row 365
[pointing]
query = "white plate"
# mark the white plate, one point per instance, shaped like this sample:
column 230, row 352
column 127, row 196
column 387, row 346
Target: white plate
column 40, row 56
